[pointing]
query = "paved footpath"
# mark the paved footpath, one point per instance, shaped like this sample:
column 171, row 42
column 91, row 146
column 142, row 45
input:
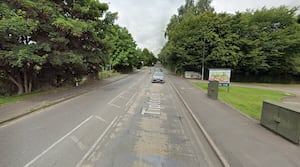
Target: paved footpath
column 16, row 110
column 242, row 140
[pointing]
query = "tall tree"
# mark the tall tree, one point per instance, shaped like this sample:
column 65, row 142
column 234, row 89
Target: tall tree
column 257, row 44
column 18, row 51
column 51, row 40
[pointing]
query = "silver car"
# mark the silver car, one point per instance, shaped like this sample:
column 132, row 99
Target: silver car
column 158, row 77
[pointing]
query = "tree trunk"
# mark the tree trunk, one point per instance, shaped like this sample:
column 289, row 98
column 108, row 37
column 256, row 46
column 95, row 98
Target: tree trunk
column 25, row 81
column 17, row 83
column 30, row 86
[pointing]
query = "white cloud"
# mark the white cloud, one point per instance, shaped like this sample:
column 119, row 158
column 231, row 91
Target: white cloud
column 243, row 5
column 146, row 20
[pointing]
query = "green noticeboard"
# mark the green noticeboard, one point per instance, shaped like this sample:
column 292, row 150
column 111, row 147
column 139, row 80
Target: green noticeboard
column 224, row 84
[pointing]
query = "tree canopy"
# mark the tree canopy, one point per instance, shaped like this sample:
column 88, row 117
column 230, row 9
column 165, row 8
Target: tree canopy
column 258, row 45
column 58, row 41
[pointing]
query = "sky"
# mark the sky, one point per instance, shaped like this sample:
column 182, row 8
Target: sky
column 147, row 20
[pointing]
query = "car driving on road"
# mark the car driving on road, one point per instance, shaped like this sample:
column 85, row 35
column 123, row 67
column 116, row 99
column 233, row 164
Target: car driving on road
column 158, row 77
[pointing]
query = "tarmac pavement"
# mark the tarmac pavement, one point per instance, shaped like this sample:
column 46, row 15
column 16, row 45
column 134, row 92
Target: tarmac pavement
column 240, row 139
column 14, row 111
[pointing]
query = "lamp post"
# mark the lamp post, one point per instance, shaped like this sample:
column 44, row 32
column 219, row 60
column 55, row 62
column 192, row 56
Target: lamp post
column 203, row 52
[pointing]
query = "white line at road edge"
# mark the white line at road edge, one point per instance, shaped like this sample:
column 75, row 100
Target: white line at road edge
column 57, row 142
column 96, row 143
column 206, row 135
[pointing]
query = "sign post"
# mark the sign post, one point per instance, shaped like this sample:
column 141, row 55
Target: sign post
column 221, row 75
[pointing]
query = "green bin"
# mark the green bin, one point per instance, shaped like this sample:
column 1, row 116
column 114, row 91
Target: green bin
column 213, row 89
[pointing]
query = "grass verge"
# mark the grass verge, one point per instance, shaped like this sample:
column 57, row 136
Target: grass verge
column 247, row 100
column 15, row 98
column 107, row 74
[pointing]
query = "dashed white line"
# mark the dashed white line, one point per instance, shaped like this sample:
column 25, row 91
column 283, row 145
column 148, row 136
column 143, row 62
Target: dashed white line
column 100, row 118
column 152, row 112
column 57, row 142
column 131, row 99
column 114, row 105
column 112, row 101
column 80, row 145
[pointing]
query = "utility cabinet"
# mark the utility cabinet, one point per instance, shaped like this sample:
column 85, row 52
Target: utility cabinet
column 281, row 119
column 213, row 89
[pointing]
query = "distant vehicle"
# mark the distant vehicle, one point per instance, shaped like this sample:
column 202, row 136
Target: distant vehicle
column 158, row 77
column 158, row 70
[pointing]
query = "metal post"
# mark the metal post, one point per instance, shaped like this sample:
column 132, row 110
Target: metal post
column 202, row 75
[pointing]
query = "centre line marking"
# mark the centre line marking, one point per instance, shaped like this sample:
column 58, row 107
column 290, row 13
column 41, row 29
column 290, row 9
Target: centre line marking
column 112, row 100
column 96, row 143
column 143, row 111
column 80, row 145
column 100, row 118
column 152, row 112
column 114, row 105
column 130, row 100
column 57, row 142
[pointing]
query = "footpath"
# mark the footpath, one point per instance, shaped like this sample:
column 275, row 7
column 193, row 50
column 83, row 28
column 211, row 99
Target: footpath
column 14, row 111
column 242, row 140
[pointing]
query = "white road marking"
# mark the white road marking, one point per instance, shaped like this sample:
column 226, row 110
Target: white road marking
column 114, row 105
column 131, row 99
column 143, row 111
column 157, row 109
column 152, row 112
column 122, row 97
column 100, row 118
column 96, row 143
column 112, row 101
column 80, row 145
column 149, row 112
column 57, row 142
column 154, row 105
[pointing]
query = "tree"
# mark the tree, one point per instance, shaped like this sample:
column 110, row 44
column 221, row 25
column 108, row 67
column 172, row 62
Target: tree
column 124, row 52
column 19, row 56
column 256, row 45
column 46, row 42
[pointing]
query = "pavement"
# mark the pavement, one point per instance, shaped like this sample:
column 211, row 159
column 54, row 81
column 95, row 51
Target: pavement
column 240, row 139
column 14, row 111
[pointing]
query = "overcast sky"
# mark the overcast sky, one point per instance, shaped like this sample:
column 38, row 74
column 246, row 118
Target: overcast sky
column 146, row 20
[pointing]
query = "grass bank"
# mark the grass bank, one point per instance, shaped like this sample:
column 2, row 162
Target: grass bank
column 247, row 100
column 107, row 74
column 15, row 98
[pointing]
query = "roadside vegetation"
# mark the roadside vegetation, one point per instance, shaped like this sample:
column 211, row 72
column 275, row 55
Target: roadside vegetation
column 16, row 98
column 56, row 43
column 258, row 45
column 247, row 100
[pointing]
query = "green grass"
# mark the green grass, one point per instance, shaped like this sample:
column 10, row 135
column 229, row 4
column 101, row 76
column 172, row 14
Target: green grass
column 107, row 74
column 247, row 100
column 13, row 99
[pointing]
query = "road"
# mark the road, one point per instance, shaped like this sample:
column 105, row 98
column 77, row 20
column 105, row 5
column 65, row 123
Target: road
column 130, row 123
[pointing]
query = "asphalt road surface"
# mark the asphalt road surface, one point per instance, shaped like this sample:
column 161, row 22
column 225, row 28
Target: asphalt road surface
column 130, row 123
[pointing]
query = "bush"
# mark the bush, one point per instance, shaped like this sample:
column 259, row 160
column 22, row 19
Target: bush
column 6, row 88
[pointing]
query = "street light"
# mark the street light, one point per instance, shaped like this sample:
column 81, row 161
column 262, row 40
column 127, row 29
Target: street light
column 203, row 52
